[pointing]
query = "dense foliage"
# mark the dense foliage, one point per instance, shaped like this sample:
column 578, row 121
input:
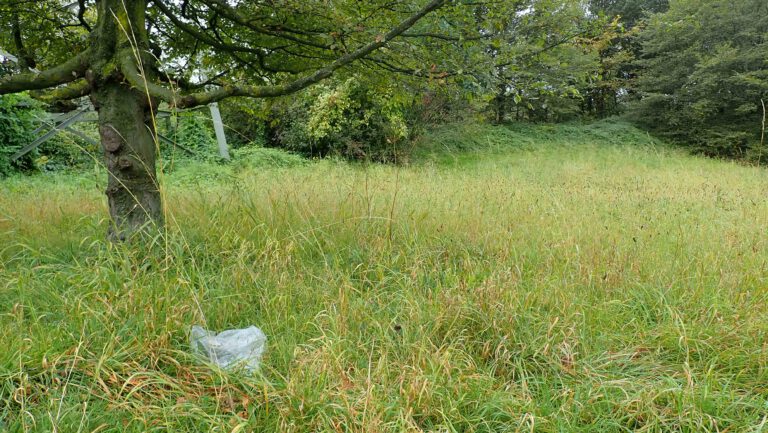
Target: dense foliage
column 17, row 117
column 193, row 131
column 349, row 119
column 612, row 87
column 545, row 57
column 705, row 75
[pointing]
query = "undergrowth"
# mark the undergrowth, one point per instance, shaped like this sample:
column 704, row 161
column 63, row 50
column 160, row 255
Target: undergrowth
column 548, row 279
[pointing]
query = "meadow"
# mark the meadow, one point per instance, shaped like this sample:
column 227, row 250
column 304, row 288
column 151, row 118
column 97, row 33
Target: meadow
column 552, row 278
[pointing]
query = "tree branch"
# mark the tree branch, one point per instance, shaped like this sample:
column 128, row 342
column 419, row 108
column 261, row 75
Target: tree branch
column 64, row 73
column 81, row 15
column 218, row 43
column 228, row 12
column 546, row 48
column 199, row 34
column 73, row 90
column 448, row 37
column 134, row 77
column 26, row 60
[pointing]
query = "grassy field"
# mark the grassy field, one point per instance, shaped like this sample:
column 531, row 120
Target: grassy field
column 531, row 279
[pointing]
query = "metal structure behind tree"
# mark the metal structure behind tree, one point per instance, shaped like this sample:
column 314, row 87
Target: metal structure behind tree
column 218, row 127
column 65, row 122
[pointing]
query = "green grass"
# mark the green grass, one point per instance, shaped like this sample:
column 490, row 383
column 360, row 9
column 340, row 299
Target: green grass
column 539, row 278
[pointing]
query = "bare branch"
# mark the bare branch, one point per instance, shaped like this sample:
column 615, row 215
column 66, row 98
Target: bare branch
column 26, row 60
column 81, row 14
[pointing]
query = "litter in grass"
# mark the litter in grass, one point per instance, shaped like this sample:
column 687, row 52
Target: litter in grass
column 231, row 349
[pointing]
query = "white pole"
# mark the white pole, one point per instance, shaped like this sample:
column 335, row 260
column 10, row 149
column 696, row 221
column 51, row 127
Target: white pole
column 218, row 127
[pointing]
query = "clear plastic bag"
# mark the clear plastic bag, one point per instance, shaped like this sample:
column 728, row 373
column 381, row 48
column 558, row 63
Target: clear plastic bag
column 231, row 349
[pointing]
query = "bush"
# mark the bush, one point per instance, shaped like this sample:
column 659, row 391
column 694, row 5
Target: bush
column 195, row 132
column 193, row 172
column 351, row 119
column 193, row 138
column 243, row 121
column 65, row 150
column 17, row 115
column 254, row 157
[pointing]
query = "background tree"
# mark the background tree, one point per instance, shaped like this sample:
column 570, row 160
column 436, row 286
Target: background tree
column 545, row 54
column 630, row 12
column 129, row 55
column 609, row 90
column 705, row 73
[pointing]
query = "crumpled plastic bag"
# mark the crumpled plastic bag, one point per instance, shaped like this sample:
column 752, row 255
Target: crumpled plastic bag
column 231, row 349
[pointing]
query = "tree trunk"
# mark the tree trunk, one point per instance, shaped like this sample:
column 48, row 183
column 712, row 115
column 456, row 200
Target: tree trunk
column 125, row 118
column 499, row 104
column 129, row 155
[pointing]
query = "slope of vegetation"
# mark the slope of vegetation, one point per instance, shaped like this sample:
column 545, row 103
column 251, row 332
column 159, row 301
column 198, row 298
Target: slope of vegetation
column 555, row 278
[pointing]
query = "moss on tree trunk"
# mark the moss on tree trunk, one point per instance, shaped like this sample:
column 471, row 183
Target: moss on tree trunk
column 129, row 156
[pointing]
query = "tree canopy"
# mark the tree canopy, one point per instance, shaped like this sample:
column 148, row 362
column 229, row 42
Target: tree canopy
column 257, row 49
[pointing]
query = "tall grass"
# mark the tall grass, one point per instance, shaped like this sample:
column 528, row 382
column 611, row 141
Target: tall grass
column 548, row 279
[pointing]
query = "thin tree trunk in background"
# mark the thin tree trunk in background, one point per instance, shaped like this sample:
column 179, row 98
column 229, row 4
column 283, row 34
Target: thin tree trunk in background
column 762, row 135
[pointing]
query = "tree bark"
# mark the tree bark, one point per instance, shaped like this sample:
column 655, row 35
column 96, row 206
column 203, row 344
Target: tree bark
column 129, row 156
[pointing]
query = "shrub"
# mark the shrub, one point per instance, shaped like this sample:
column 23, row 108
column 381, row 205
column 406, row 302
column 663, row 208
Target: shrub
column 65, row 150
column 193, row 138
column 350, row 119
column 243, row 121
column 199, row 173
column 17, row 115
column 254, row 157
column 195, row 132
